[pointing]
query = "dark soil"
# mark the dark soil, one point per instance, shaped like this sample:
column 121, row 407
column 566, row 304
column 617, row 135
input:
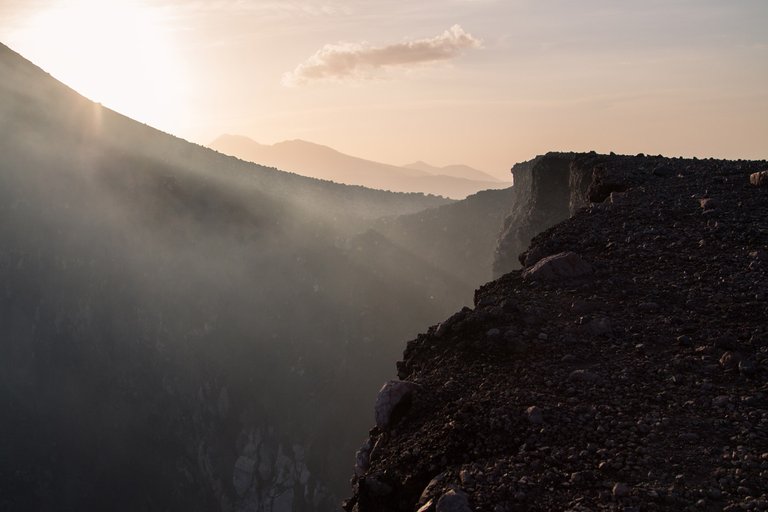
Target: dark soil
column 639, row 387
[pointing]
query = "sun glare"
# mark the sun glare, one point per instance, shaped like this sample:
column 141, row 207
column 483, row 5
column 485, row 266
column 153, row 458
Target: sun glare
column 117, row 52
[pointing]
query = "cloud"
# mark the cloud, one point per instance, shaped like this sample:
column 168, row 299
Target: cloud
column 361, row 61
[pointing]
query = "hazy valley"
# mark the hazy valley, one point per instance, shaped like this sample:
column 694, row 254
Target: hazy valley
column 185, row 330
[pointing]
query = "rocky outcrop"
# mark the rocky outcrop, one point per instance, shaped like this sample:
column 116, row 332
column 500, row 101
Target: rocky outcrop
column 759, row 179
column 639, row 385
column 549, row 189
column 543, row 197
column 394, row 395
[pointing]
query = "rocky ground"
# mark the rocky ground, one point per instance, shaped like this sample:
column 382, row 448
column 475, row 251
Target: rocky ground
column 624, row 368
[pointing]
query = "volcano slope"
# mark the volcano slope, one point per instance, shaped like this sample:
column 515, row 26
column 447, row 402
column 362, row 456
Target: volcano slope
column 623, row 368
column 178, row 328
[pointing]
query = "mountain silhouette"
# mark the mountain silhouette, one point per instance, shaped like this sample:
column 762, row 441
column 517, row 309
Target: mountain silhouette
column 456, row 171
column 309, row 159
column 180, row 328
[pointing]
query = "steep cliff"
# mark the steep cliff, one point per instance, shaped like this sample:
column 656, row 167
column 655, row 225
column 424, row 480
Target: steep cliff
column 623, row 367
column 549, row 189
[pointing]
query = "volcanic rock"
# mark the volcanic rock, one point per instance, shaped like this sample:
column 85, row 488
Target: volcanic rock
column 759, row 179
column 453, row 501
column 392, row 394
column 667, row 410
column 535, row 416
column 565, row 265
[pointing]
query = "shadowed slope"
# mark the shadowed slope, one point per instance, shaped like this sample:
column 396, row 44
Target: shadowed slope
column 179, row 328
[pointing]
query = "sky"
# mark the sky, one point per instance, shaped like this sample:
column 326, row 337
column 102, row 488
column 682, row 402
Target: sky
column 486, row 83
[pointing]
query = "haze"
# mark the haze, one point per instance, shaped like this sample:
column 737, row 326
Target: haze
column 148, row 282
column 186, row 330
column 479, row 82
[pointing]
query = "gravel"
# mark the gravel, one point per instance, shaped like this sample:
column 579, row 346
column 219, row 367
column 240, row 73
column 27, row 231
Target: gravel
column 664, row 406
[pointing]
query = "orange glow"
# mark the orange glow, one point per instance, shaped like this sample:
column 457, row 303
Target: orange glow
column 484, row 83
column 117, row 53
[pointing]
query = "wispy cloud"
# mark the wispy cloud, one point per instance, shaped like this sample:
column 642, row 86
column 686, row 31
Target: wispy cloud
column 361, row 60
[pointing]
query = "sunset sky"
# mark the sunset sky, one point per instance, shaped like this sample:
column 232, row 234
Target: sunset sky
column 480, row 82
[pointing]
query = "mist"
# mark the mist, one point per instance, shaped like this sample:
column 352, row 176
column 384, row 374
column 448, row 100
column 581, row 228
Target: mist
column 183, row 330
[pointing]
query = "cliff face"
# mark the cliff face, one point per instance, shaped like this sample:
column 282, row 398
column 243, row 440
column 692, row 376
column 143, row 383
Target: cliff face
column 548, row 190
column 541, row 201
column 623, row 367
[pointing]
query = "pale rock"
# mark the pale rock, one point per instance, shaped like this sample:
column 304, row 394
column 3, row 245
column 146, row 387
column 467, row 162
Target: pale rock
column 759, row 179
column 730, row 359
column 427, row 506
column 430, row 488
column 390, row 396
column 535, row 415
column 565, row 265
column 620, row 490
column 453, row 501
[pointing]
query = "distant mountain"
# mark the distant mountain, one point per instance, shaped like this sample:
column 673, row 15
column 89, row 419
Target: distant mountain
column 456, row 171
column 313, row 160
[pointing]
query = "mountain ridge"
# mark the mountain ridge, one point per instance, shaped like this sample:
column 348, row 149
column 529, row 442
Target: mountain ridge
column 308, row 158
column 456, row 170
